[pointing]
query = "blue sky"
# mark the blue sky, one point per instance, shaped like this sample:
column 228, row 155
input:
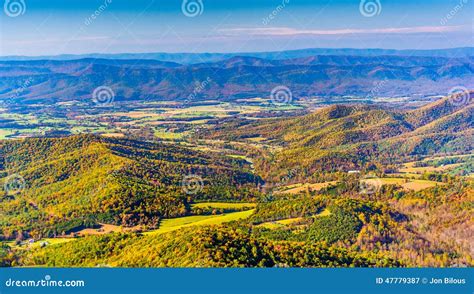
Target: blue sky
column 50, row 27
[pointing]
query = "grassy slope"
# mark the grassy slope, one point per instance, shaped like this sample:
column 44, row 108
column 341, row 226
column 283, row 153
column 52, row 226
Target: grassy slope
column 347, row 137
column 71, row 181
column 225, row 205
column 212, row 246
column 169, row 225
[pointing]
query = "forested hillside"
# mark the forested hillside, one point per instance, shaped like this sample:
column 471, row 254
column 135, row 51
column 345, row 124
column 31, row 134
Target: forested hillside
column 347, row 137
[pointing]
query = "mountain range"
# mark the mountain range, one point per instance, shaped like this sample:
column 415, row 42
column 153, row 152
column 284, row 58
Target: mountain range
column 82, row 180
column 90, row 200
column 190, row 58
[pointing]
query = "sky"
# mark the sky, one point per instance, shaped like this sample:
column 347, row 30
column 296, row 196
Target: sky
column 53, row 27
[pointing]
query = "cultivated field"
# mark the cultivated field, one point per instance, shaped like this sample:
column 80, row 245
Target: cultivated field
column 173, row 224
column 301, row 187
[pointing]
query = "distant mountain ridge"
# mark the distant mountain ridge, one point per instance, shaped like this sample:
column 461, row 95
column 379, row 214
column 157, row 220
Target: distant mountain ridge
column 233, row 78
column 343, row 137
column 85, row 179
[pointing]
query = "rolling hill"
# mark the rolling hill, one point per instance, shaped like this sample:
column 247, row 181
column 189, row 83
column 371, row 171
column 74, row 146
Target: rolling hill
column 199, row 247
column 345, row 137
column 80, row 181
column 41, row 81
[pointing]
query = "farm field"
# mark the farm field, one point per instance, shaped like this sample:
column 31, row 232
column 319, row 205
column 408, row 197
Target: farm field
column 436, row 164
column 418, row 185
column 168, row 121
column 279, row 223
column 169, row 225
column 223, row 134
column 301, row 187
column 405, row 175
column 409, row 168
